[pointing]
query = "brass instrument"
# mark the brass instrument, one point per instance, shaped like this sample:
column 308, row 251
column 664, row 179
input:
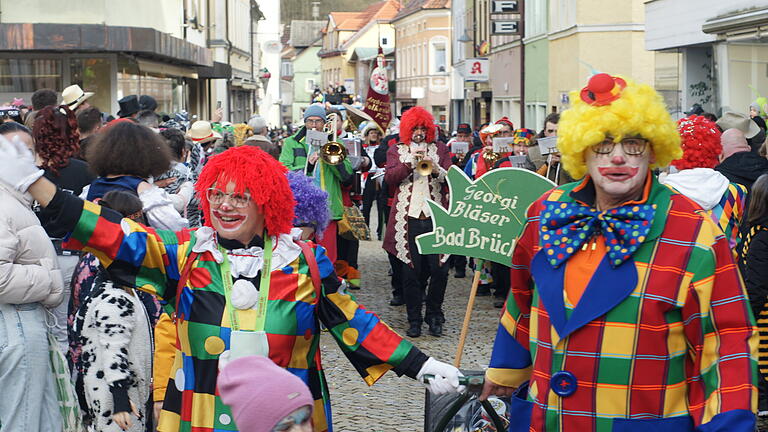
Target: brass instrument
column 332, row 153
column 490, row 157
column 355, row 118
column 422, row 167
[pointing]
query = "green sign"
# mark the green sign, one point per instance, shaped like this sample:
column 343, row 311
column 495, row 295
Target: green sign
column 484, row 216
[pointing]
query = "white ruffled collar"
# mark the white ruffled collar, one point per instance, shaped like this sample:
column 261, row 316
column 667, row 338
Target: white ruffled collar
column 247, row 262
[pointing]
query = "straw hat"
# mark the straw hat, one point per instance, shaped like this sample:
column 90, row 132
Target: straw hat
column 73, row 96
column 201, row 132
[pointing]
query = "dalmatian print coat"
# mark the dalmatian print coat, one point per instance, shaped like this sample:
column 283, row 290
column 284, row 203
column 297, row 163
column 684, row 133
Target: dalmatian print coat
column 116, row 342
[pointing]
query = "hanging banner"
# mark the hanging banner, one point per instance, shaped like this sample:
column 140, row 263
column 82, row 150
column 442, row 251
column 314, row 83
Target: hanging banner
column 377, row 102
column 484, row 216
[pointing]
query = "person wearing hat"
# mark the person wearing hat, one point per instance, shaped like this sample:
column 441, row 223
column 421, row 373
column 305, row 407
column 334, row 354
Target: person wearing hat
column 373, row 179
column 265, row 397
column 147, row 102
column 214, row 278
column 296, row 155
column 626, row 310
column 696, row 178
column 754, row 134
column 203, row 134
column 129, row 106
column 75, row 98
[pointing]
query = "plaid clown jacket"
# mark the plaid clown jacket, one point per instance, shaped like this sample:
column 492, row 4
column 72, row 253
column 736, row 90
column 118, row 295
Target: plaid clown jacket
column 152, row 261
column 663, row 342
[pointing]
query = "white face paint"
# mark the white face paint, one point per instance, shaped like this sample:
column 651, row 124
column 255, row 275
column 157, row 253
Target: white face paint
column 234, row 223
column 618, row 177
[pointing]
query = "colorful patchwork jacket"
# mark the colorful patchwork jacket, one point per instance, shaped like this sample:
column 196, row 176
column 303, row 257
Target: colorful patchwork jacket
column 663, row 342
column 152, row 261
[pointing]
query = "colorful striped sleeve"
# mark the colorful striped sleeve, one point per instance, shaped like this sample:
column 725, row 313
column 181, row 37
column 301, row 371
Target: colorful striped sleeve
column 133, row 254
column 369, row 344
column 510, row 364
column 722, row 338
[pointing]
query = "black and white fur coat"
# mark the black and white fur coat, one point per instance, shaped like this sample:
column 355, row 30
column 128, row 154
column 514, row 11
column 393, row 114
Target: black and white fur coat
column 116, row 350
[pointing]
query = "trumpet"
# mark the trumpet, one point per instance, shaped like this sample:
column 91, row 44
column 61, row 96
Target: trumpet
column 490, row 157
column 332, row 152
column 422, row 167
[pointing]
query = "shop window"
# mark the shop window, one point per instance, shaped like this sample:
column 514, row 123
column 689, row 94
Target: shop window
column 93, row 75
column 21, row 77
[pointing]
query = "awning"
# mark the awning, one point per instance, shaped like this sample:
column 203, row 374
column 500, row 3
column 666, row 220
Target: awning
column 218, row 70
column 165, row 69
column 140, row 41
column 753, row 20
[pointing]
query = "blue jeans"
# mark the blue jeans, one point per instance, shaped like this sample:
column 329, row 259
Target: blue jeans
column 28, row 402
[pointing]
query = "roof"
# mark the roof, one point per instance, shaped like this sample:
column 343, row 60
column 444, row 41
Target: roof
column 304, row 33
column 354, row 21
column 414, row 6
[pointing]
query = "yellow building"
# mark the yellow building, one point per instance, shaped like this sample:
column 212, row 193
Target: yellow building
column 348, row 31
column 607, row 35
column 423, row 57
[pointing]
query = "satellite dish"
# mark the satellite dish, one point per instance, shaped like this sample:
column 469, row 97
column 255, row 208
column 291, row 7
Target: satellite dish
column 272, row 47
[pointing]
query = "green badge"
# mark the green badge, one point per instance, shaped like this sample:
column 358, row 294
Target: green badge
column 484, row 216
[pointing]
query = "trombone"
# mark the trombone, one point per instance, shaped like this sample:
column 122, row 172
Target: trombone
column 332, row 153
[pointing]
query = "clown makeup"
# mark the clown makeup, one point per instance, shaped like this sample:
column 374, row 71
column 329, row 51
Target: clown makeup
column 618, row 177
column 419, row 134
column 233, row 222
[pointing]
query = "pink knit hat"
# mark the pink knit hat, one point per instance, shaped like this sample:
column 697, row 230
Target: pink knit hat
column 261, row 393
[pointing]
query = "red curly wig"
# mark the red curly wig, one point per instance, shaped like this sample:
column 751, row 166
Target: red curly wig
column 700, row 139
column 255, row 171
column 56, row 137
column 416, row 116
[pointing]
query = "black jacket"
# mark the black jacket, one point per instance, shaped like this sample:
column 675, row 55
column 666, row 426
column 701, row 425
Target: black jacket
column 753, row 264
column 743, row 168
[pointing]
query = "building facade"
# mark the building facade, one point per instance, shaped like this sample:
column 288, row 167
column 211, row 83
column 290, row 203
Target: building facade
column 116, row 49
column 301, row 67
column 423, row 57
column 536, row 54
column 713, row 54
column 595, row 35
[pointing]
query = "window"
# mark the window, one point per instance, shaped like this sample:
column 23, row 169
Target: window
column 286, row 68
column 310, row 84
column 439, row 58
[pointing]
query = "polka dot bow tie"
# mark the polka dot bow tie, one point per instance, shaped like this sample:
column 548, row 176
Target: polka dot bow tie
column 565, row 227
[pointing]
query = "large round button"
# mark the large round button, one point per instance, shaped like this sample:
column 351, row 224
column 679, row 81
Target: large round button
column 563, row 383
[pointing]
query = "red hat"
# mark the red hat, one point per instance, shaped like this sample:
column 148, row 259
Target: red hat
column 602, row 89
column 506, row 121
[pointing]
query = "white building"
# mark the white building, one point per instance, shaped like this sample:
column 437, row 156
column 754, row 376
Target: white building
column 711, row 52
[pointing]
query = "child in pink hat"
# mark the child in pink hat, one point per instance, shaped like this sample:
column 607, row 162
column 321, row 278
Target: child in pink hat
column 265, row 397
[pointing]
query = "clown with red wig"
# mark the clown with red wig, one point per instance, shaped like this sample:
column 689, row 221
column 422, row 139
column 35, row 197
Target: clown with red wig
column 410, row 216
column 724, row 201
column 225, row 306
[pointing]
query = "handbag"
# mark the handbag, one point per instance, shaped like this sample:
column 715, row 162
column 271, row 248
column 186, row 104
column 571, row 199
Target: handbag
column 69, row 407
column 352, row 225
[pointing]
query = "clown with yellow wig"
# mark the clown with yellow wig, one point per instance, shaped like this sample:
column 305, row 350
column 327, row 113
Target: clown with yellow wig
column 626, row 312
column 241, row 285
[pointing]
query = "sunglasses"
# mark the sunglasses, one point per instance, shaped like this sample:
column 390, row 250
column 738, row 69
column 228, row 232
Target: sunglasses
column 216, row 197
column 631, row 146
column 298, row 417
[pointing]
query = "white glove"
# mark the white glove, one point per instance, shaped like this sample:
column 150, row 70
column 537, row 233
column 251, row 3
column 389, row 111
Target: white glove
column 17, row 164
column 446, row 377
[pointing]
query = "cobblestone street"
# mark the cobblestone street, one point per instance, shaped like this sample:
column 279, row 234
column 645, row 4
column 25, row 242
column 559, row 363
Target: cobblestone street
column 393, row 403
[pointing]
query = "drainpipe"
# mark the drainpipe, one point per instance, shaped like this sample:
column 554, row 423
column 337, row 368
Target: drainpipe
column 522, row 64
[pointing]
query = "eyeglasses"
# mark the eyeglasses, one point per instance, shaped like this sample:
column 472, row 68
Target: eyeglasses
column 631, row 146
column 300, row 416
column 216, row 197
column 317, row 122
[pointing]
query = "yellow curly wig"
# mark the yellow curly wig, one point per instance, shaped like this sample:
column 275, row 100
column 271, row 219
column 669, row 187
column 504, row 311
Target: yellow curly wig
column 639, row 111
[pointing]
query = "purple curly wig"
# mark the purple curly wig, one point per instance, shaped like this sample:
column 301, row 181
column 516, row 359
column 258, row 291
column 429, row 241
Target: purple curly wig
column 311, row 203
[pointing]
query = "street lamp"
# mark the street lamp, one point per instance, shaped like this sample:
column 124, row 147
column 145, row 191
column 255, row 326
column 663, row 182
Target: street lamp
column 465, row 37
